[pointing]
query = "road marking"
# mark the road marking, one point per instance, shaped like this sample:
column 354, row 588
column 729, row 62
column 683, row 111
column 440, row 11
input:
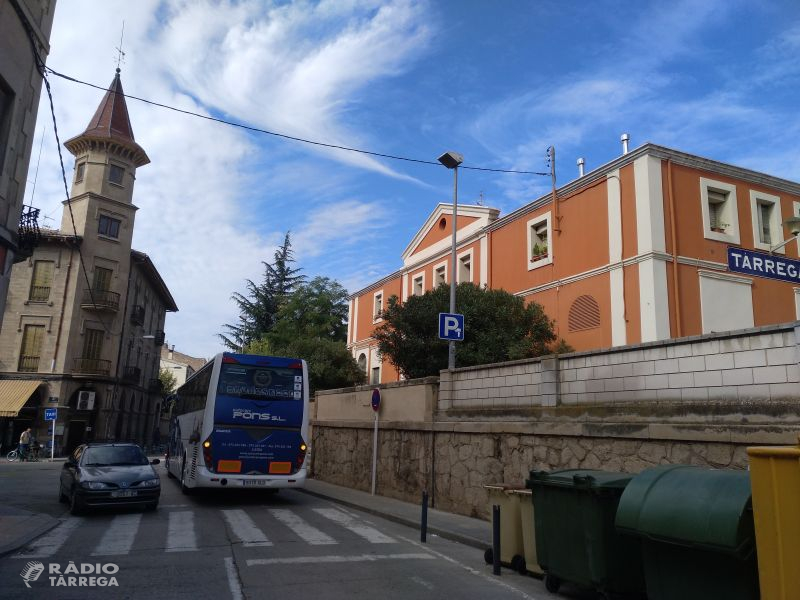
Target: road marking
column 370, row 534
column 310, row 534
column 493, row 579
column 233, row 579
column 337, row 559
column 173, row 505
column 245, row 529
column 181, row 536
column 118, row 538
column 50, row 543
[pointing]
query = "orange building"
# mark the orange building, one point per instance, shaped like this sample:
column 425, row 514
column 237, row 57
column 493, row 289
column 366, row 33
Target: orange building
column 634, row 251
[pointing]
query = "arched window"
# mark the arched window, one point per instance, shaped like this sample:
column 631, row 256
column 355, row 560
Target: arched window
column 362, row 362
column 584, row 314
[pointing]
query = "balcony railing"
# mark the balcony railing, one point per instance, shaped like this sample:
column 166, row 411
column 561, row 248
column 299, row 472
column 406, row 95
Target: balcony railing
column 28, row 233
column 137, row 314
column 92, row 366
column 132, row 374
column 100, row 300
column 39, row 293
column 28, row 364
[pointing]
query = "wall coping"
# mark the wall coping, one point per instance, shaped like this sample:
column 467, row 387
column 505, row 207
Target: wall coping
column 430, row 380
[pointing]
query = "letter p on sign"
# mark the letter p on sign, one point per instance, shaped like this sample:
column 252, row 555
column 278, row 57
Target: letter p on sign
column 451, row 327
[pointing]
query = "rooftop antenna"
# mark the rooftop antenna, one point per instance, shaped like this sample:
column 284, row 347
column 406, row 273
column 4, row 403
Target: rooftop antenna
column 36, row 172
column 120, row 53
column 480, row 199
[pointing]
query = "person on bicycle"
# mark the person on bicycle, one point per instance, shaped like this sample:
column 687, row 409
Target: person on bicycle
column 24, row 444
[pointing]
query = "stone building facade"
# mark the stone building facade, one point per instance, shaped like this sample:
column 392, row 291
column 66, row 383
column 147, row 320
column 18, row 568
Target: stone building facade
column 84, row 319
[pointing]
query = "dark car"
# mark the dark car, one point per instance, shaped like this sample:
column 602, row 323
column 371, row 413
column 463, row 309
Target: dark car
column 109, row 475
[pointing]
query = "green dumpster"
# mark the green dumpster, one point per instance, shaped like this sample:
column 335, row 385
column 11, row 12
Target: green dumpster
column 576, row 541
column 696, row 529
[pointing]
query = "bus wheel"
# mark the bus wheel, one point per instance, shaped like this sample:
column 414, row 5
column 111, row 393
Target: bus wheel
column 169, row 473
column 186, row 490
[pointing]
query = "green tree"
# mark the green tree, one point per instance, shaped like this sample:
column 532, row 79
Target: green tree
column 498, row 327
column 169, row 382
column 258, row 309
column 312, row 324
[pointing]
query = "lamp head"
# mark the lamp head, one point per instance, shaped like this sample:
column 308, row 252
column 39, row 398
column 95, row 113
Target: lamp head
column 451, row 159
column 793, row 223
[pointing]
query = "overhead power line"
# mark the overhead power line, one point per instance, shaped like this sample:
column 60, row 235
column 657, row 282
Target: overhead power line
column 285, row 136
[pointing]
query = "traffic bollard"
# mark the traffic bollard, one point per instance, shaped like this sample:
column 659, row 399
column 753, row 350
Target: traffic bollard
column 424, row 528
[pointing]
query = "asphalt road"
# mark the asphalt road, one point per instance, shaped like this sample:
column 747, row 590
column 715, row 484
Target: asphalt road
column 241, row 544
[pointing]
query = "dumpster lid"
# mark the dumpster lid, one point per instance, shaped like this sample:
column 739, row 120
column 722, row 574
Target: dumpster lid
column 690, row 506
column 580, row 478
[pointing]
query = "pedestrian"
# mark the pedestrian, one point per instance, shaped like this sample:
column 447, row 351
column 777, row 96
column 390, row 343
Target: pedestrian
column 24, row 444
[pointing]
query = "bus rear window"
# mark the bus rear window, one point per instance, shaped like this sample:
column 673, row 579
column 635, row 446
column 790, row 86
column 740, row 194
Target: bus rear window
column 267, row 383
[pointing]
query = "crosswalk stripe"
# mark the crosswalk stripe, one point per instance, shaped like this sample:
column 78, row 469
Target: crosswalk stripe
column 368, row 533
column 338, row 559
column 49, row 544
column 181, row 536
column 309, row 533
column 245, row 529
column 118, row 538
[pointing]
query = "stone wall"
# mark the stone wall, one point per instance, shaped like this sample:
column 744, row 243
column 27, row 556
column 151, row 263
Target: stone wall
column 636, row 410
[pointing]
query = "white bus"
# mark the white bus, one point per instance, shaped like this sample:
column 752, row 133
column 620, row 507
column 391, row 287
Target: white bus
column 241, row 421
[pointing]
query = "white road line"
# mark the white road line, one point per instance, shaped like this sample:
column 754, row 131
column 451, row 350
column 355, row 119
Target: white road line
column 370, row 534
column 181, row 536
column 309, row 533
column 172, row 505
column 493, row 579
column 337, row 559
column 233, row 579
column 49, row 544
column 245, row 529
column 118, row 538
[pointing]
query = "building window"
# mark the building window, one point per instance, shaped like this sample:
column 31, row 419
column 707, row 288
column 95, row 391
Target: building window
column 6, row 106
column 767, row 225
column 115, row 174
column 720, row 213
column 738, row 295
column 80, row 169
column 439, row 274
column 375, row 378
column 31, row 350
column 102, row 279
column 92, row 344
column 109, row 227
column 584, row 314
column 539, row 250
column 377, row 307
column 465, row 267
column 362, row 362
column 418, row 287
column 41, row 281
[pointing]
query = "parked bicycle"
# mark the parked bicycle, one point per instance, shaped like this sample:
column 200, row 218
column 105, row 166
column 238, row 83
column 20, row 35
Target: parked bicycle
column 31, row 456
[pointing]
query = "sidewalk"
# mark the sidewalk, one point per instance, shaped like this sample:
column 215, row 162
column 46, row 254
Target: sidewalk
column 465, row 530
column 18, row 527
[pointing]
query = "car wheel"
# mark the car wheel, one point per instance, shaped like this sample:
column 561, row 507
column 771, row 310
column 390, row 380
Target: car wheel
column 62, row 497
column 75, row 505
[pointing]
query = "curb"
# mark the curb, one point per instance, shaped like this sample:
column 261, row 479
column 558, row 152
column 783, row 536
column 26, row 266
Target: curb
column 432, row 529
column 9, row 547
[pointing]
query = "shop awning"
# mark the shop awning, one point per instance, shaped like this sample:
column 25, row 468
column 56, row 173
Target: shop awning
column 14, row 393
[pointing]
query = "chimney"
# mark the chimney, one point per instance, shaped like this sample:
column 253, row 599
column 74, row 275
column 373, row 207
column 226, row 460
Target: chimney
column 580, row 167
column 171, row 351
column 624, row 138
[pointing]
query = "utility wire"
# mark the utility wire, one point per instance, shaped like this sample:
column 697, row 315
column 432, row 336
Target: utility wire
column 289, row 137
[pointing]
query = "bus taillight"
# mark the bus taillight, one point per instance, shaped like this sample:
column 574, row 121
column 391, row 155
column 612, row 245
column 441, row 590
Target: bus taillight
column 301, row 455
column 207, row 454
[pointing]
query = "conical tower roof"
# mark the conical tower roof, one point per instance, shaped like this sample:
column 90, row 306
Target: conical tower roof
column 111, row 123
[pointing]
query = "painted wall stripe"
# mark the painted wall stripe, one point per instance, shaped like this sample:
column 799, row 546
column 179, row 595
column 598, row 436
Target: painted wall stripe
column 245, row 529
column 118, row 538
column 370, row 534
column 307, row 532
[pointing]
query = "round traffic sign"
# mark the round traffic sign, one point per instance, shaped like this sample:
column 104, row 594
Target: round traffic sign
column 376, row 399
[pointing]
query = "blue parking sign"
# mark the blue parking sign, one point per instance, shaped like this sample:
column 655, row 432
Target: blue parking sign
column 451, row 327
column 50, row 414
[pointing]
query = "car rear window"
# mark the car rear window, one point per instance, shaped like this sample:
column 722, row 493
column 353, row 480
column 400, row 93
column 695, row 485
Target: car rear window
column 114, row 456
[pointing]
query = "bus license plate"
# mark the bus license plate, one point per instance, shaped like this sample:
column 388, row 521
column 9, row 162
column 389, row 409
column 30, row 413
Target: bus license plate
column 246, row 482
column 124, row 494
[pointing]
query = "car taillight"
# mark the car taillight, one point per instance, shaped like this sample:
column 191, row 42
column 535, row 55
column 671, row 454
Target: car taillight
column 301, row 455
column 207, row 454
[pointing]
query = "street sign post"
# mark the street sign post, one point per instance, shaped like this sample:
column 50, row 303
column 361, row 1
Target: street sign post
column 376, row 405
column 451, row 327
column 51, row 414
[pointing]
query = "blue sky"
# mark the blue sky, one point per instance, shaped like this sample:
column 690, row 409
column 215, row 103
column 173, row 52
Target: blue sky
column 497, row 81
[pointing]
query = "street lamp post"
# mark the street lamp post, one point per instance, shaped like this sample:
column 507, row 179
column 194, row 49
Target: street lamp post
column 451, row 160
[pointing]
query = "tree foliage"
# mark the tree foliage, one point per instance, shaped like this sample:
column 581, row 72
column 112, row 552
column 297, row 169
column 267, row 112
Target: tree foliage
column 258, row 309
column 498, row 327
column 312, row 324
column 169, row 382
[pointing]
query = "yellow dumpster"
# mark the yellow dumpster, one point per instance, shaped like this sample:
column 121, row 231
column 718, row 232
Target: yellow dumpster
column 530, row 564
column 511, row 544
column 775, row 480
